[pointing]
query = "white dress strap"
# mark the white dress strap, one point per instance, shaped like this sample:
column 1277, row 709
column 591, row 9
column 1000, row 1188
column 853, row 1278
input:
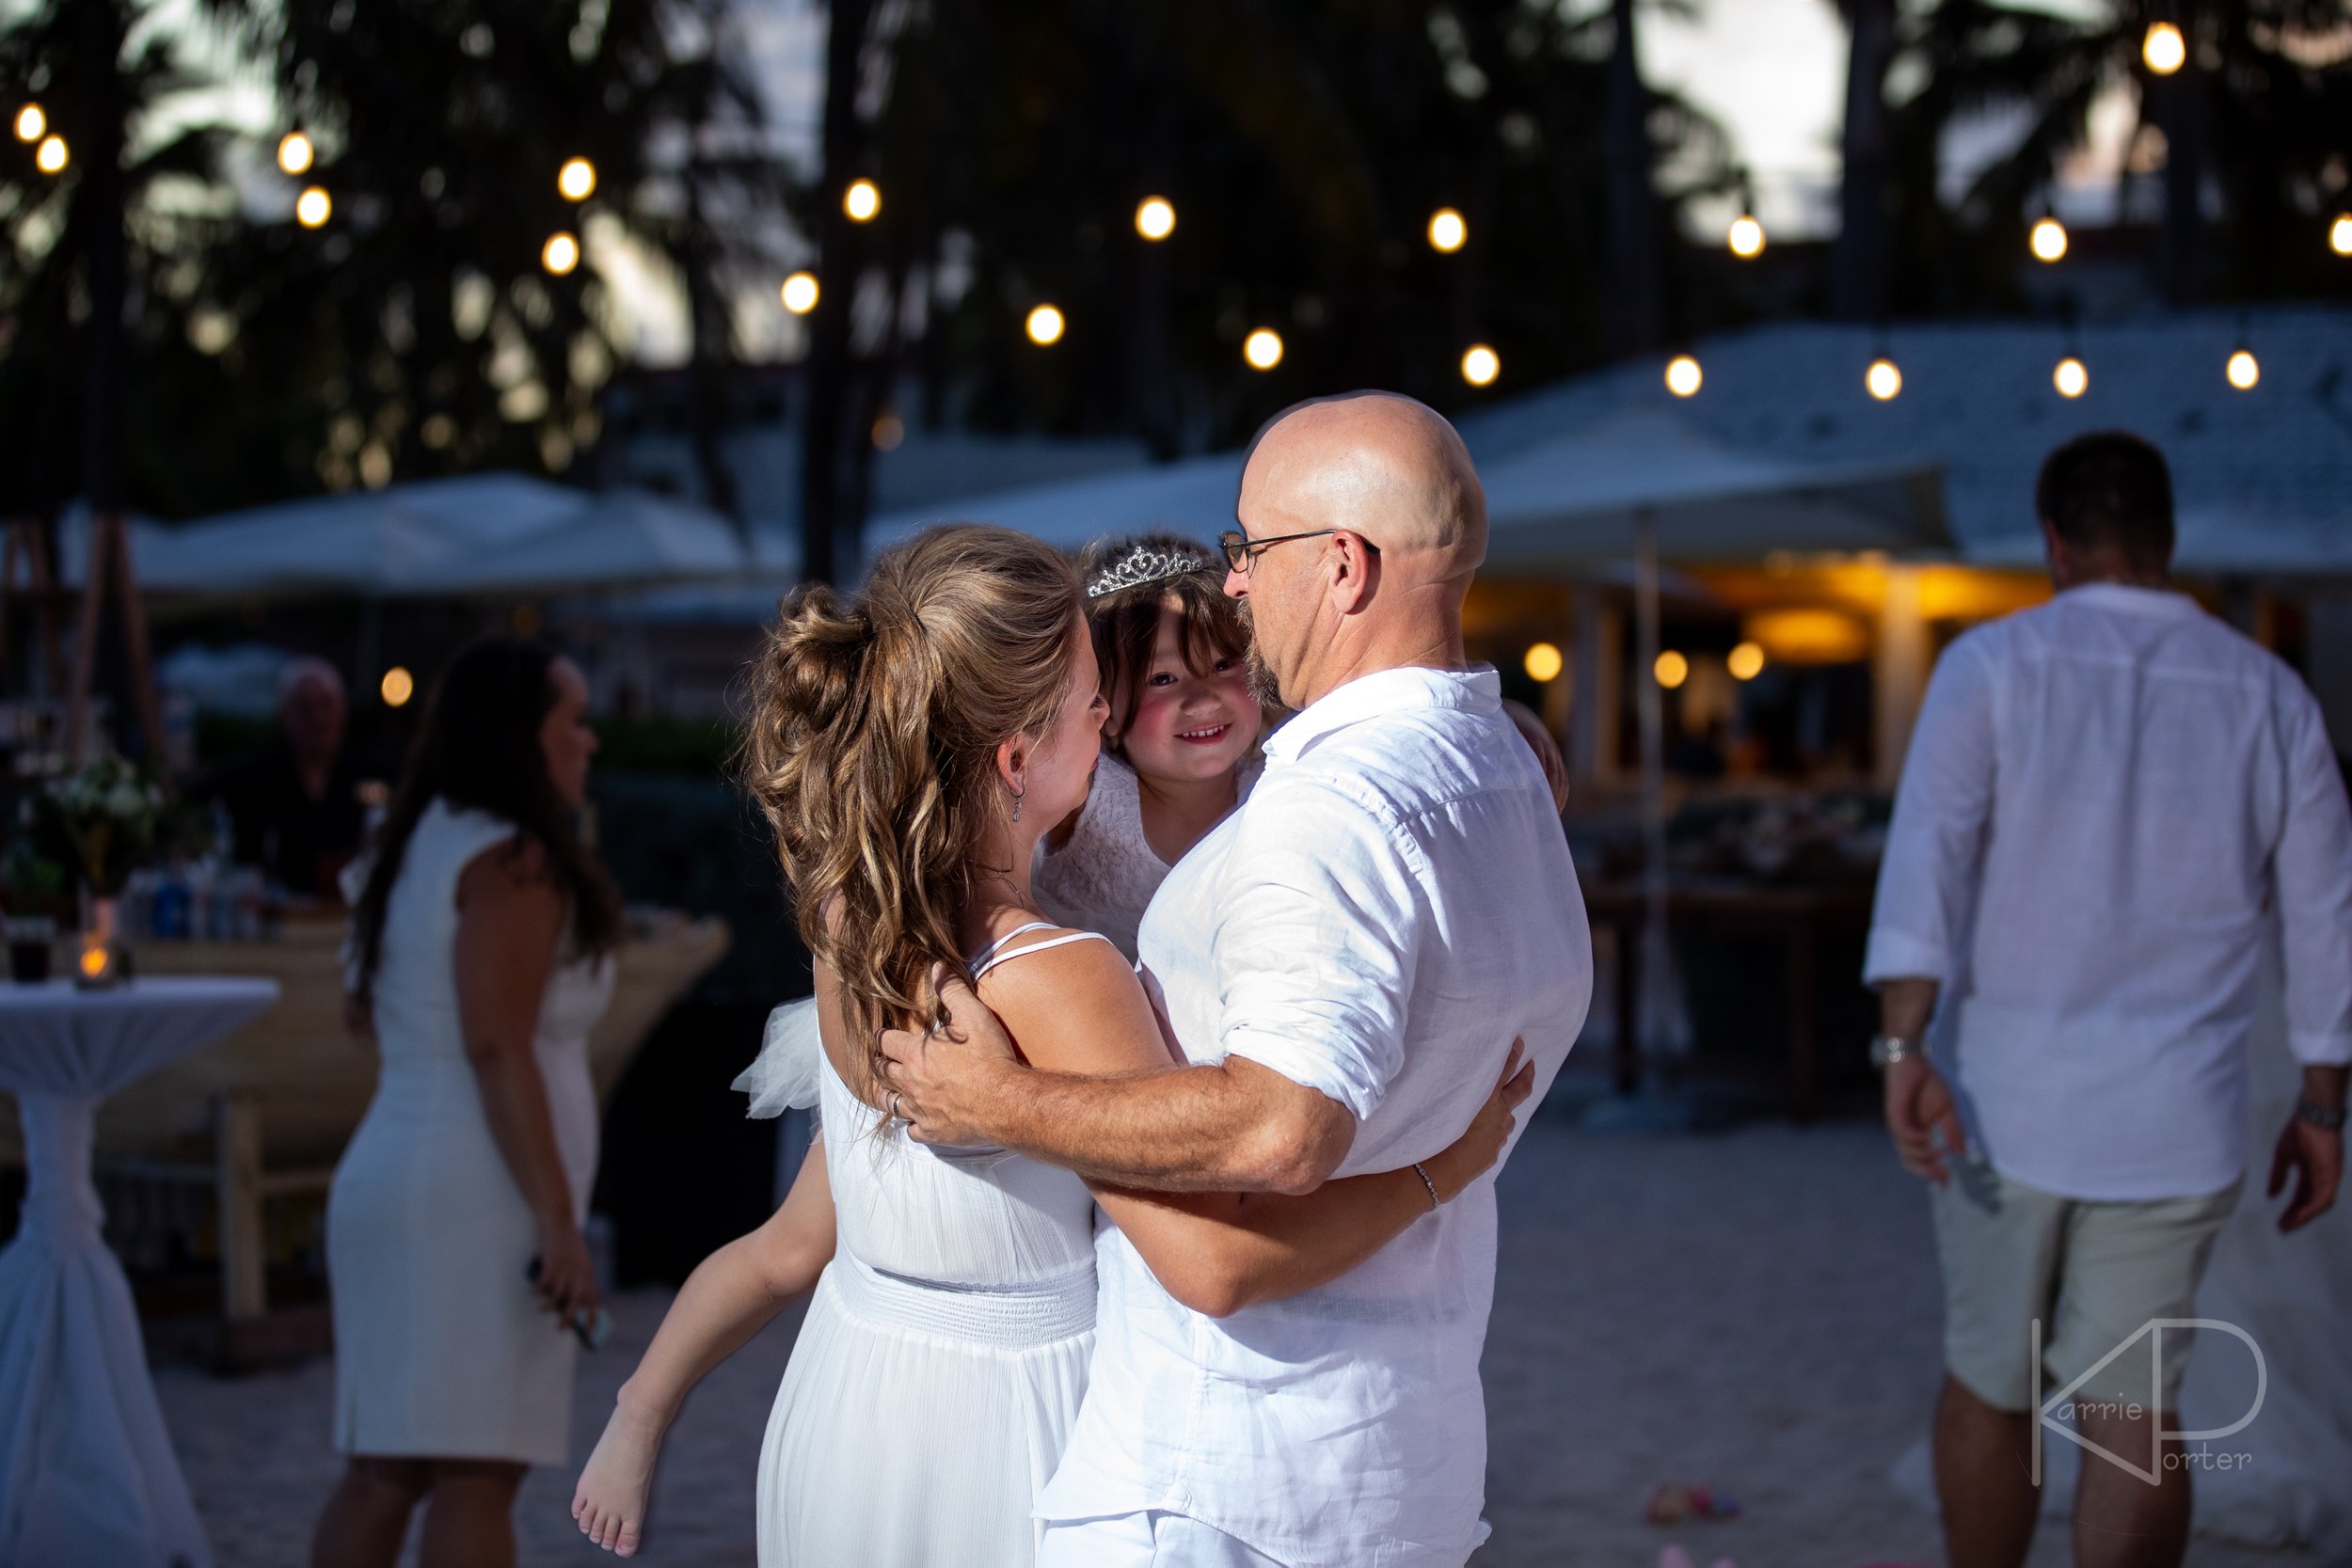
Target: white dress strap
column 987, row 955
column 996, row 955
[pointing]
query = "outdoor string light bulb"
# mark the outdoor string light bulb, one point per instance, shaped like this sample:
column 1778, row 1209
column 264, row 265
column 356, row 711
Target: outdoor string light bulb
column 862, row 200
column 50, row 157
column 399, row 685
column 1545, row 662
column 2070, row 378
column 2244, row 370
column 1884, row 379
column 577, row 179
column 1672, row 668
column 1155, row 217
column 562, row 253
column 2164, row 50
column 31, row 123
column 799, row 293
column 313, row 207
column 2340, row 234
column 2048, row 239
column 1262, row 349
column 1045, row 325
column 1683, row 377
column 296, row 154
column 1448, row 231
column 1480, row 365
column 1746, row 237
column 1745, row 662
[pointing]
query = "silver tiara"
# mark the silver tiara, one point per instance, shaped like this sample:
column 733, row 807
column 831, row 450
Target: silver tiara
column 1137, row 568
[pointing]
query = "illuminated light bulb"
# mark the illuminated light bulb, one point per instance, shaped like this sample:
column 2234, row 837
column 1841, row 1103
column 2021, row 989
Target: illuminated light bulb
column 1155, row 217
column 313, row 207
column 1683, row 377
column 295, row 153
column 862, row 200
column 1480, row 365
column 2070, row 378
column 50, row 157
column 1746, row 237
column 2164, row 50
column 1045, row 325
column 562, row 253
column 2048, row 240
column 1745, row 662
column 576, row 180
column 1448, row 231
column 1672, row 668
column 31, row 124
column 1884, row 379
column 2244, row 370
column 2340, row 234
column 799, row 293
column 399, row 685
column 1262, row 349
column 1544, row 662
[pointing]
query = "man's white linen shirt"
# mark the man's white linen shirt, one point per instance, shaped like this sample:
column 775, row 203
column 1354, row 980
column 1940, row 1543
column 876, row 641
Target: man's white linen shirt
column 1392, row 906
column 2104, row 798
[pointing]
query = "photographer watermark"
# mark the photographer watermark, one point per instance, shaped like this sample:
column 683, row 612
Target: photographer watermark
column 2060, row 1409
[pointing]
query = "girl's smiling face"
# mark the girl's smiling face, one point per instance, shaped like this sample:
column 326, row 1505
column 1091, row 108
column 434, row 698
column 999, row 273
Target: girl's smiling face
column 1188, row 725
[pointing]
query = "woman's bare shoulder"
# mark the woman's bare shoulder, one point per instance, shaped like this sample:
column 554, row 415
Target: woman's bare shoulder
column 1075, row 1004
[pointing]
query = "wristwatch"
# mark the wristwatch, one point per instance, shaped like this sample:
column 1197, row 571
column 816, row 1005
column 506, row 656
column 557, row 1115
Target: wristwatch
column 2308, row 1109
column 1886, row 1049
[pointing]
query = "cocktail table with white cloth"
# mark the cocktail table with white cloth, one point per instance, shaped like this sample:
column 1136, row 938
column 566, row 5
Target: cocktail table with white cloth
column 87, row 1471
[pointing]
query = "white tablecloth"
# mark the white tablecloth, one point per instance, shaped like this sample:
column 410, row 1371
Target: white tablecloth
column 87, row 1471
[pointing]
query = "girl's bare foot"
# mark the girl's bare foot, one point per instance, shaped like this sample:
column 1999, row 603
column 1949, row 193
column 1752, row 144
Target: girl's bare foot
column 608, row 1505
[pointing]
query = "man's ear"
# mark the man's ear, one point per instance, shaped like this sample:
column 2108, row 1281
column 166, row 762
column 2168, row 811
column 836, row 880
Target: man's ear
column 1355, row 568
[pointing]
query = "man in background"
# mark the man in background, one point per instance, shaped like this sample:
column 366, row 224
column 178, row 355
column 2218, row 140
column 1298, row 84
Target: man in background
column 294, row 806
column 2107, row 802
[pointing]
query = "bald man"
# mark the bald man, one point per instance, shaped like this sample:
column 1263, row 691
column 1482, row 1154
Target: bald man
column 1345, row 962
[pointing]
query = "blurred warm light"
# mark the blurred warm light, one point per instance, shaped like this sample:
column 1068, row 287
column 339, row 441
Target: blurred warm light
column 1155, row 217
column 399, row 685
column 50, row 157
column 1544, row 662
column 2244, row 370
column 862, row 200
column 2164, row 50
column 1672, row 668
column 1746, row 237
column 1045, row 325
column 889, row 431
column 1446, row 230
column 577, row 179
column 799, row 293
column 1262, row 349
column 2048, row 239
column 1745, row 662
column 562, row 253
column 1480, row 365
column 1682, row 376
column 94, row 959
column 2340, row 234
column 1807, row 636
column 313, row 207
column 31, row 122
column 2071, row 378
column 1884, row 379
column 295, row 155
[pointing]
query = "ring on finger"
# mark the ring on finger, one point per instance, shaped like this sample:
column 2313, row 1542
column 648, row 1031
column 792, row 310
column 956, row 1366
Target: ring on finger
column 896, row 1113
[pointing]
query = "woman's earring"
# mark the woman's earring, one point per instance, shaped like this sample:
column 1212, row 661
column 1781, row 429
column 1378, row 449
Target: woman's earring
column 1016, row 802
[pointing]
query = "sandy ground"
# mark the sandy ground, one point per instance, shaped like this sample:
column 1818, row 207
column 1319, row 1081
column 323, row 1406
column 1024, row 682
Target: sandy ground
column 1754, row 1310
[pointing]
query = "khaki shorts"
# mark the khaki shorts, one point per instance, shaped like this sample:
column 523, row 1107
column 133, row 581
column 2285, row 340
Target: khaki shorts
column 2093, row 1273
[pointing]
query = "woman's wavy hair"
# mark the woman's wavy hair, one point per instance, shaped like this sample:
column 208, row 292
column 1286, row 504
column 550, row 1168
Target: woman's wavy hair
column 872, row 749
column 479, row 747
column 1126, row 621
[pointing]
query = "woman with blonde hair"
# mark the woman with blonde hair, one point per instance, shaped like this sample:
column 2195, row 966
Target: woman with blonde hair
column 910, row 748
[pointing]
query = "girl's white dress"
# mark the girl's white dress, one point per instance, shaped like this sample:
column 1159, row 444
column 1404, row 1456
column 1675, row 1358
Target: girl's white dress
column 1104, row 879
column 441, row 1349
column 944, row 1352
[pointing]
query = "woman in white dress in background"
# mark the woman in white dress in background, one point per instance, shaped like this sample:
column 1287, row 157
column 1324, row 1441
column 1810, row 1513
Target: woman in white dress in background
column 911, row 748
column 481, row 955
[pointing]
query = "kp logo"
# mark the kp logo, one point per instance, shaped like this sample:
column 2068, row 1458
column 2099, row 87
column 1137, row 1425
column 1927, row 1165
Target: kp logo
column 2054, row 1411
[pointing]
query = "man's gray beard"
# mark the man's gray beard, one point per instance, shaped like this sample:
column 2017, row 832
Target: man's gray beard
column 1263, row 684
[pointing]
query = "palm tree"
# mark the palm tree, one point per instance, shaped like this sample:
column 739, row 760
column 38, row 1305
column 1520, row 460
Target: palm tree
column 1858, row 277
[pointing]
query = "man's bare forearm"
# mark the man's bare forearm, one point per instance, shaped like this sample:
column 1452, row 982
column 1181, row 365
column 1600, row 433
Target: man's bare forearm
column 2324, row 1086
column 1905, row 1007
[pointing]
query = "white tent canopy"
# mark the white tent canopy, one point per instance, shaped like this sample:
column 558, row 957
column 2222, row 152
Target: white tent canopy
column 1193, row 498
column 621, row 540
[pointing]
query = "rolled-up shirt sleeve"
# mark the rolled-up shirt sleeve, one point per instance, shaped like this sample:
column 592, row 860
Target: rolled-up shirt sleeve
column 2311, row 871
column 1934, row 845
column 1312, row 944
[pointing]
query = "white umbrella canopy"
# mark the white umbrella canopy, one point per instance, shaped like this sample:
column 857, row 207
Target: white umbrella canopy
column 620, row 540
column 1194, row 497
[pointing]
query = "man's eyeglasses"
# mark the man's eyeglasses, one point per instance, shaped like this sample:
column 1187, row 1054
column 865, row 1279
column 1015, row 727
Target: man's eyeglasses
column 1240, row 549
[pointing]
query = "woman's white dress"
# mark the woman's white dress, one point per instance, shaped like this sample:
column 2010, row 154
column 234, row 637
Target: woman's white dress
column 944, row 1352
column 441, row 1349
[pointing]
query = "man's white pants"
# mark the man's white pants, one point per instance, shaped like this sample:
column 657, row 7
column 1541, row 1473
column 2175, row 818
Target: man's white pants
column 1145, row 1541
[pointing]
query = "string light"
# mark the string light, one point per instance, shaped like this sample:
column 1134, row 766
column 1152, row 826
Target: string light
column 399, row 685
column 1544, row 662
column 1480, row 365
column 1448, row 231
column 562, row 253
column 2071, row 378
column 296, row 154
column 1045, row 325
column 799, row 293
column 2340, row 234
column 1155, row 217
column 1747, row 237
column 1672, row 668
column 2244, row 370
column 1262, row 349
column 1683, row 377
column 50, row 157
column 577, row 179
column 1884, row 379
column 313, row 207
column 1746, row 661
column 2048, row 239
column 2164, row 50
column 862, row 200
column 30, row 123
